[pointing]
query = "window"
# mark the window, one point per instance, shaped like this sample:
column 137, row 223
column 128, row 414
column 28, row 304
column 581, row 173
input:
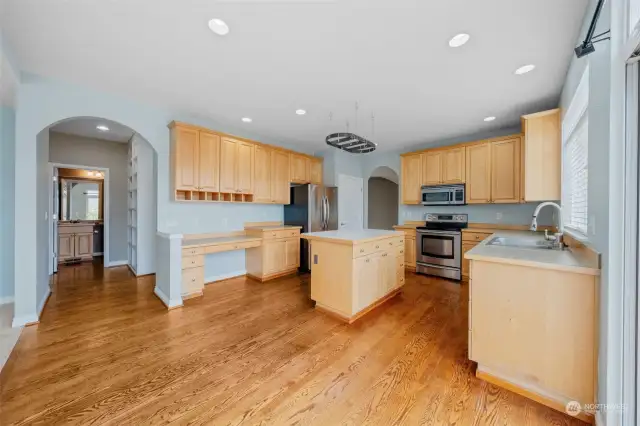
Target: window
column 575, row 160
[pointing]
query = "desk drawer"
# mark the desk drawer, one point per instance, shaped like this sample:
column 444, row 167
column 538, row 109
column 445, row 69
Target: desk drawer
column 365, row 249
column 192, row 251
column 231, row 247
column 192, row 280
column 192, row 261
column 283, row 233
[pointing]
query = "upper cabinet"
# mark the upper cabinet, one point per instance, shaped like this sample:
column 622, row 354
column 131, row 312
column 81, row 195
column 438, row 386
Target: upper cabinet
column 411, row 178
column 431, row 167
column 478, row 162
column 505, row 171
column 211, row 166
column 443, row 166
column 541, row 156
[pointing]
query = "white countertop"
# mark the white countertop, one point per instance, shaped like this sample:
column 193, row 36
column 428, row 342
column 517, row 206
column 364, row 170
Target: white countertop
column 349, row 237
column 197, row 242
column 564, row 260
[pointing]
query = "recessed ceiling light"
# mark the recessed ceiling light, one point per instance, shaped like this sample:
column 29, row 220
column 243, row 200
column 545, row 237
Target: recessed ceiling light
column 489, row 118
column 459, row 40
column 102, row 128
column 525, row 69
column 218, row 26
column 247, row 120
column 301, row 112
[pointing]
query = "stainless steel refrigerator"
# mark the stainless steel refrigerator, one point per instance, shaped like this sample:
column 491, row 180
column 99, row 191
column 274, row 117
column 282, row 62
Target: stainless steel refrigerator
column 315, row 208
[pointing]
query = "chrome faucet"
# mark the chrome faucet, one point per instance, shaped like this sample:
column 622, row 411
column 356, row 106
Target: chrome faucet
column 557, row 237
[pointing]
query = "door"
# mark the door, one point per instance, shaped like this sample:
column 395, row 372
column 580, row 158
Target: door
column 388, row 273
column 410, row 252
column 439, row 248
column 83, row 245
column 292, row 253
column 315, row 172
column 411, row 178
column 478, row 175
column 209, row 162
column 228, row 161
column 431, row 168
column 186, row 158
column 280, row 177
column 66, row 249
column 274, row 256
column 350, row 203
column 244, row 169
column 453, row 170
column 505, row 171
column 368, row 280
column 262, row 175
column 299, row 169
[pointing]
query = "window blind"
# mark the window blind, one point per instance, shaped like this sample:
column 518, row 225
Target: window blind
column 576, row 177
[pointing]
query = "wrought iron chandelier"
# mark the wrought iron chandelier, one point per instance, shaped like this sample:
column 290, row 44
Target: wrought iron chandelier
column 351, row 142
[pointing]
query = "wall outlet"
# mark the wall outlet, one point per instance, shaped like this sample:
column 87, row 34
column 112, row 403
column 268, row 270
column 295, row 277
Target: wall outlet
column 499, row 216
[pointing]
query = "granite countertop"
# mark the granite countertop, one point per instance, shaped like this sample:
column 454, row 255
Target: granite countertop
column 199, row 242
column 350, row 237
column 565, row 260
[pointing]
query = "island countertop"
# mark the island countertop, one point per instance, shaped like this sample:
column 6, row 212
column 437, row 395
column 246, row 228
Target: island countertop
column 350, row 237
column 565, row 260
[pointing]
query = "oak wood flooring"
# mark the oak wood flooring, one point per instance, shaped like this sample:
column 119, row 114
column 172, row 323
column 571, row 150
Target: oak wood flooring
column 108, row 352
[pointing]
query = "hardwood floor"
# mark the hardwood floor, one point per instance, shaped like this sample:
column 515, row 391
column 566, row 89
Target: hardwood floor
column 108, row 352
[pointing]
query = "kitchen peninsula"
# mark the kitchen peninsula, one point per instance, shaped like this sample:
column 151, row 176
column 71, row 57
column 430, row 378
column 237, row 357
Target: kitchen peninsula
column 352, row 272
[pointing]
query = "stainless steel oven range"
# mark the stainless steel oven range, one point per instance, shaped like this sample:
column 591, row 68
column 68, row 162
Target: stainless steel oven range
column 439, row 245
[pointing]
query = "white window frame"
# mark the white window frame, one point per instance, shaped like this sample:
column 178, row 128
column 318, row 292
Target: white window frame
column 578, row 109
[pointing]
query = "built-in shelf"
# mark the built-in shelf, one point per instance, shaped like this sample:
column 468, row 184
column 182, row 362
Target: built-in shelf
column 132, row 200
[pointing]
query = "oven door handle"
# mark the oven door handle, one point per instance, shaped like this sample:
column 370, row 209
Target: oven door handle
column 437, row 232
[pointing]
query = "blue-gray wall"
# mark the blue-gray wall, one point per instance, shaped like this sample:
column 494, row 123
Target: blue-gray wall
column 7, row 170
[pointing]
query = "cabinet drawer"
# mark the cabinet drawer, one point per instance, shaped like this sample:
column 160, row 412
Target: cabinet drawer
column 192, row 280
column 400, row 279
column 231, row 247
column 75, row 229
column 283, row 233
column 400, row 263
column 475, row 236
column 192, row 251
column 368, row 248
column 192, row 261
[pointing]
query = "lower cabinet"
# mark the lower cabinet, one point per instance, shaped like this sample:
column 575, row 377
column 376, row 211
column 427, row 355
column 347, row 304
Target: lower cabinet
column 192, row 282
column 377, row 274
column 278, row 255
column 75, row 242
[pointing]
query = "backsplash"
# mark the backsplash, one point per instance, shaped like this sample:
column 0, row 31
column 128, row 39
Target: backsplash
column 509, row 214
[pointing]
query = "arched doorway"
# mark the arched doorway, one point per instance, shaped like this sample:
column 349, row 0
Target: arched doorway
column 383, row 193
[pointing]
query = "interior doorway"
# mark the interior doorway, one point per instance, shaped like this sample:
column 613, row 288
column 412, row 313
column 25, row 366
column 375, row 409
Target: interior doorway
column 382, row 200
column 350, row 203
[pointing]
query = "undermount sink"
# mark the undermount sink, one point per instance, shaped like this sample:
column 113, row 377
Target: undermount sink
column 521, row 243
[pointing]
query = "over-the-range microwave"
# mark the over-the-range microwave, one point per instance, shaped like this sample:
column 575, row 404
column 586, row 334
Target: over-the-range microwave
column 443, row 195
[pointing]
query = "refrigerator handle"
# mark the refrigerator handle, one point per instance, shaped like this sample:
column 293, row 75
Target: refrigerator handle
column 325, row 221
column 328, row 216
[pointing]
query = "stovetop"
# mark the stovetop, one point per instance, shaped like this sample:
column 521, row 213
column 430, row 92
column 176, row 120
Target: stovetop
column 445, row 222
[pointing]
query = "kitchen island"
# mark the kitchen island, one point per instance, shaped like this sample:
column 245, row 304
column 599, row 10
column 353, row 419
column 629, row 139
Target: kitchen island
column 353, row 272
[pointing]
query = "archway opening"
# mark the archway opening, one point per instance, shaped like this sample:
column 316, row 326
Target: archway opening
column 383, row 193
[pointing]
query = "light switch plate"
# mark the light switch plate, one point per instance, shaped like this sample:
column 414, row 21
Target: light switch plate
column 315, row 259
column 499, row 216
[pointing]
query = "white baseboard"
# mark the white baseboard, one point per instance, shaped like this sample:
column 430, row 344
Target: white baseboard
column 117, row 263
column 24, row 320
column 221, row 277
column 43, row 301
column 6, row 300
column 170, row 304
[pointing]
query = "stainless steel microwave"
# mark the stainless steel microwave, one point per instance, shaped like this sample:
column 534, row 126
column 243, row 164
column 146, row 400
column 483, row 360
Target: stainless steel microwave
column 443, row 195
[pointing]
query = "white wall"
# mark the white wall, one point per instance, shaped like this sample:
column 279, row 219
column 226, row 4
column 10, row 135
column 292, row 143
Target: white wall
column 383, row 203
column 43, row 232
column 599, row 145
column 76, row 150
column 7, row 170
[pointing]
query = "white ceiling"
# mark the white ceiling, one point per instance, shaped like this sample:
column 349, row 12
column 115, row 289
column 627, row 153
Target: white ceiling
column 87, row 127
column 392, row 56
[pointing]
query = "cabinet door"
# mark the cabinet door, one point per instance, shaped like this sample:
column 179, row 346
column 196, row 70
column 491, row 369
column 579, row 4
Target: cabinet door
column 228, row 161
column 479, row 174
column 315, row 172
column 411, row 178
column 274, row 256
column 66, row 246
column 186, row 159
column 292, row 253
column 431, row 168
column 280, row 177
column 209, row 162
column 505, row 171
column 410, row 252
column 262, row 176
column 453, row 170
column 244, row 169
column 367, row 280
column 299, row 169
column 83, row 245
column 465, row 263
column 541, row 156
column 389, row 273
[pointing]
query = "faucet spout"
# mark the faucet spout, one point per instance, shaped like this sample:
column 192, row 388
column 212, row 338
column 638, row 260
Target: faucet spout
column 534, row 222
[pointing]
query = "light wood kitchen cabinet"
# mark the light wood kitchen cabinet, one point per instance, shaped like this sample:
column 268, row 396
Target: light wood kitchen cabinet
column 208, row 162
column 236, row 166
column 278, row 255
column 315, row 171
column 478, row 164
column 185, row 155
column 466, row 246
column 299, row 169
column 411, row 168
column 244, row 171
column 505, row 171
column 274, row 256
column 541, row 156
column 280, row 192
column 368, row 275
column 75, row 242
column 228, row 161
column 453, row 166
column 431, row 168
column 263, row 176
column 65, row 247
column 292, row 253
column 410, row 251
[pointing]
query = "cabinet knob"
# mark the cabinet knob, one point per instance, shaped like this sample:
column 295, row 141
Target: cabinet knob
column 273, row 235
column 367, row 260
column 384, row 255
column 193, row 262
column 235, row 247
column 390, row 244
column 362, row 251
column 193, row 280
column 401, row 251
column 377, row 246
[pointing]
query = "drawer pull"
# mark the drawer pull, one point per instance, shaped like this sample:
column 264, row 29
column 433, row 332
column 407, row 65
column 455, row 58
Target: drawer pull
column 390, row 244
column 193, row 262
column 362, row 251
column 384, row 255
column 401, row 251
column 193, row 280
column 273, row 235
column 377, row 246
column 402, row 241
column 235, row 247
column 367, row 260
